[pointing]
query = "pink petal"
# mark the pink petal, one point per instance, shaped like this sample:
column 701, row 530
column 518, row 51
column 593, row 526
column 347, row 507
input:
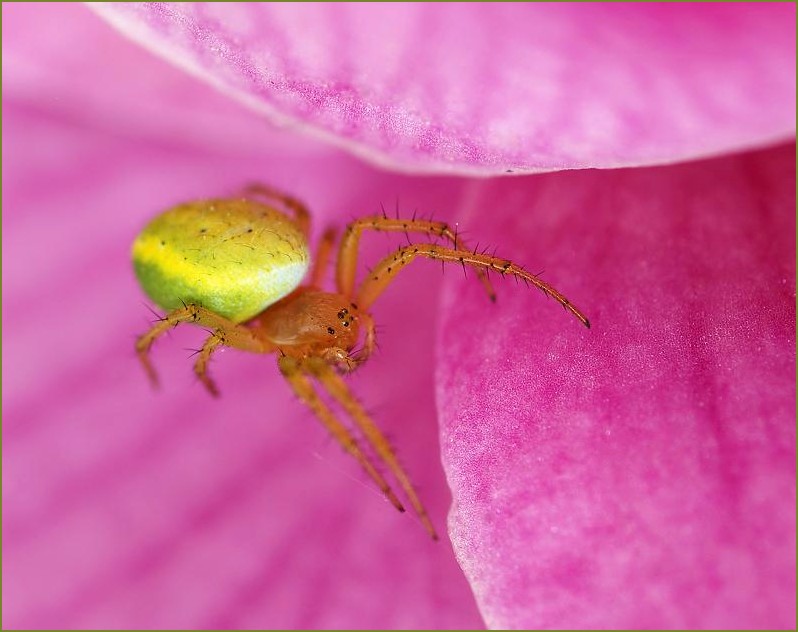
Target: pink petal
column 640, row 474
column 80, row 69
column 486, row 88
column 125, row 508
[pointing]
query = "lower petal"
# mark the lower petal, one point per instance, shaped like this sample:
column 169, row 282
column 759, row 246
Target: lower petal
column 642, row 473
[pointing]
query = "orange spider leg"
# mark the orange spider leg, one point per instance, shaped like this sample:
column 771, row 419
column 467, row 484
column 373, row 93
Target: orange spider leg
column 347, row 255
column 390, row 266
column 239, row 337
column 322, row 258
column 341, row 393
column 234, row 335
column 201, row 365
column 292, row 371
column 369, row 339
column 342, row 359
column 301, row 213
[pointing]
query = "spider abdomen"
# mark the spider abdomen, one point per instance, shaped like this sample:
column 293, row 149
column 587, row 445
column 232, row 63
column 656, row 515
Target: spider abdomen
column 234, row 257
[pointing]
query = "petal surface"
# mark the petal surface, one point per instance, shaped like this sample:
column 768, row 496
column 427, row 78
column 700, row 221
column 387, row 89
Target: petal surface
column 66, row 60
column 127, row 508
column 492, row 88
column 640, row 474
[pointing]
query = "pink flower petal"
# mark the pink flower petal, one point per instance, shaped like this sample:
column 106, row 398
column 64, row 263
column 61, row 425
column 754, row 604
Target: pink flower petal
column 126, row 508
column 640, row 474
column 486, row 88
column 79, row 69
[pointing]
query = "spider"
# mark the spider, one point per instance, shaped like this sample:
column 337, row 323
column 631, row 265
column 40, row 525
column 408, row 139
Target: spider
column 235, row 265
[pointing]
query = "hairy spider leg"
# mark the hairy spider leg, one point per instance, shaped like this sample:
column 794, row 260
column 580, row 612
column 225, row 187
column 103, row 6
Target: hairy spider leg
column 346, row 361
column 341, row 393
column 301, row 213
column 203, row 358
column 233, row 335
column 389, row 267
column 369, row 339
column 340, row 358
column 323, row 252
column 347, row 255
column 292, row 371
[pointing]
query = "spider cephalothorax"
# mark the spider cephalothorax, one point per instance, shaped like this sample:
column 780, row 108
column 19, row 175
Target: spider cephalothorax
column 234, row 266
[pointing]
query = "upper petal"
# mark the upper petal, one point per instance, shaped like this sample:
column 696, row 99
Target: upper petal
column 487, row 88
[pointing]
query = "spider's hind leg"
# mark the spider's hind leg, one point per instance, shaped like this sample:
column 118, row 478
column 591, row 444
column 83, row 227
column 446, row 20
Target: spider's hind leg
column 203, row 358
column 300, row 211
column 323, row 251
column 228, row 332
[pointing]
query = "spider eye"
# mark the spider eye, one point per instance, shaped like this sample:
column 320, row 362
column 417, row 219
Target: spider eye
column 331, row 331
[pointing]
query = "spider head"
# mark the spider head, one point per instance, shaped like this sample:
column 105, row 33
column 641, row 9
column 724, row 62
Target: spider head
column 341, row 317
column 314, row 321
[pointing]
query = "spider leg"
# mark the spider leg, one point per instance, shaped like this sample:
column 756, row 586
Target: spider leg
column 340, row 358
column 201, row 365
column 389, row 267
column 232, row 334
column 347, row 362
column 341, row 393
column 322, row 258
column 369, row 340
column 347, row 255
column 293, row 373
column 301, row 213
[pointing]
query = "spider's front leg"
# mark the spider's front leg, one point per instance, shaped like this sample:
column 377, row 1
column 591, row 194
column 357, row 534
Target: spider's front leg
column 225, row 332
column 340, row 392
column 347, row 255
column 387, row 269
column 369, row 340
column 347, row 362
column 340, row 358
column 294, row 373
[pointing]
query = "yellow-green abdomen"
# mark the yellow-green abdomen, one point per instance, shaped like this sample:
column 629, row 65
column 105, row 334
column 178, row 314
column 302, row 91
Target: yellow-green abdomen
column 234, row 257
